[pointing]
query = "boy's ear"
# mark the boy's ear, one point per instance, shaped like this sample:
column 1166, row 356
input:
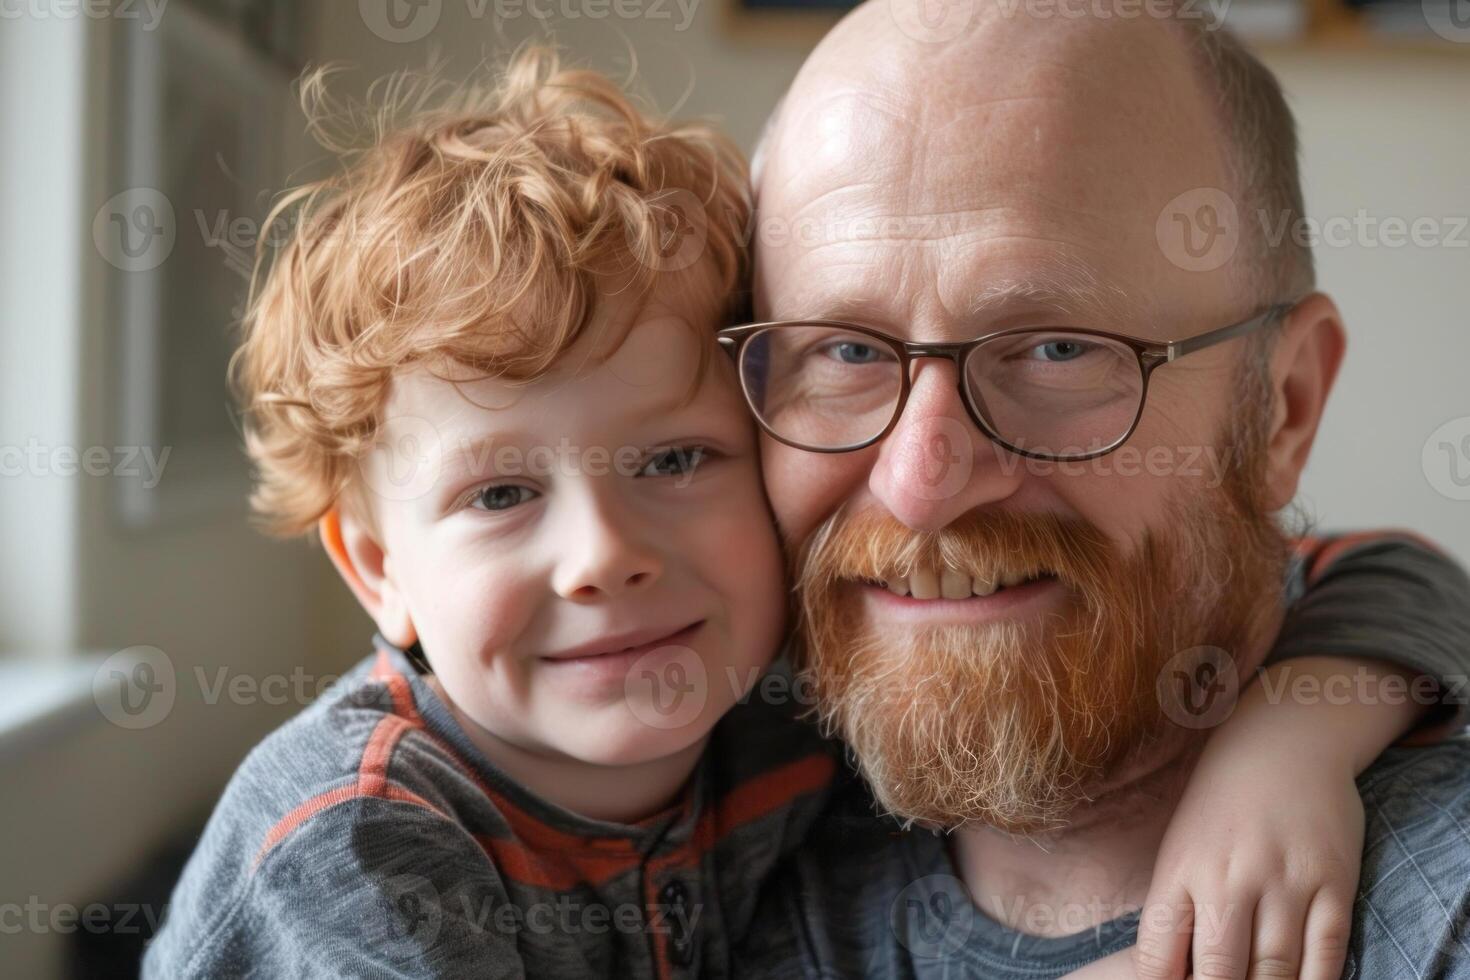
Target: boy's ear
column 362, row 563
column 1305, row 362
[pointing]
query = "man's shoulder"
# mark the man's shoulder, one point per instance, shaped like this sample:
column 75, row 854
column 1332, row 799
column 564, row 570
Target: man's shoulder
column 1412, row 915
column 1439, row 772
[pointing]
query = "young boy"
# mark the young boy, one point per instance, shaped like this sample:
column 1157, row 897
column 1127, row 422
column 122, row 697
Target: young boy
column 485, row 369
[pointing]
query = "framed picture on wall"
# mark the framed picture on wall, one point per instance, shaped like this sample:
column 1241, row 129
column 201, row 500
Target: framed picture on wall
column 196, row 162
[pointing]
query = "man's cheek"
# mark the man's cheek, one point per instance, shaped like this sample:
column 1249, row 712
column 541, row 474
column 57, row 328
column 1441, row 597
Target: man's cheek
column 805, row 488
column 1121, row 507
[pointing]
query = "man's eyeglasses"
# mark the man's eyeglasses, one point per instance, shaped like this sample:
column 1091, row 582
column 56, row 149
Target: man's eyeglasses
column 1053, row 394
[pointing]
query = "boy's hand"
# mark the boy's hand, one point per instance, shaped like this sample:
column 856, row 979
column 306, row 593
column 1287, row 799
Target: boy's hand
column 1119, row 966
column 1257, row 872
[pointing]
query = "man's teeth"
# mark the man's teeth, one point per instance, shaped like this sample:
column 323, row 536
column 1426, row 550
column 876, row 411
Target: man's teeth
column 949, row 583
column 924, row 584
column 955, row 585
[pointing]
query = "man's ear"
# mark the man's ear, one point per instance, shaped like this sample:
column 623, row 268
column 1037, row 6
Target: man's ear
column 1303, row 368
column 362, row 563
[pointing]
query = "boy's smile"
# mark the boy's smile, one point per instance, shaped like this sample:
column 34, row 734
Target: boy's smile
column 601, row 667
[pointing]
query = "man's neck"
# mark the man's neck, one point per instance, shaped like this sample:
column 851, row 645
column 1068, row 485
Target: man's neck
column 1095, row 870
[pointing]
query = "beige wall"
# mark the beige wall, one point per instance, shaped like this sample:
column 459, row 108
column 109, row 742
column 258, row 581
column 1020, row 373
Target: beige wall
column 709, row 62
column 1389, row 134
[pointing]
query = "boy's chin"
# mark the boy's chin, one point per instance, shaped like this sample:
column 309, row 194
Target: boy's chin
column 616, row 736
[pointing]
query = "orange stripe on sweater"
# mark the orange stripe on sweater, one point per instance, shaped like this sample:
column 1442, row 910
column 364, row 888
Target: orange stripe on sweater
column 398, row 688
column 760, row 795
column 558, row 871
column 327, row 800
column 372, row 772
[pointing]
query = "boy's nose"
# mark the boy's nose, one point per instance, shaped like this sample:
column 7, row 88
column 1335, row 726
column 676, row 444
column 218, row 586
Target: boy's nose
column 604, row 556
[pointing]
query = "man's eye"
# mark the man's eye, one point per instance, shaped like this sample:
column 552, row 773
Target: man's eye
column 502, row 496
column 674, row 462
column 1060, row 350
column 854, row 352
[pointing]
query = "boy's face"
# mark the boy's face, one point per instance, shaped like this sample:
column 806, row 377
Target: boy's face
column 600, row 508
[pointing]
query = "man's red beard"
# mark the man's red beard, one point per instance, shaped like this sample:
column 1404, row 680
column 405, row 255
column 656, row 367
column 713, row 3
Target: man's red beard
column 1012, row 725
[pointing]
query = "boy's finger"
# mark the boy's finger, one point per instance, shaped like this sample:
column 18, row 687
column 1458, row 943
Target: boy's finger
column 1222, row 935
column 1164, row 930
column 1276, row 949
column 1329, row 926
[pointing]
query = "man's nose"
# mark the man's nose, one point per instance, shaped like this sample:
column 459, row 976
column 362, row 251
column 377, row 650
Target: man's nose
column 604, row 549
column 936, row 464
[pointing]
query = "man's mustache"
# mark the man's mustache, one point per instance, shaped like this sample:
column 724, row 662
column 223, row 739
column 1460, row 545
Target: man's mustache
column 987, row 545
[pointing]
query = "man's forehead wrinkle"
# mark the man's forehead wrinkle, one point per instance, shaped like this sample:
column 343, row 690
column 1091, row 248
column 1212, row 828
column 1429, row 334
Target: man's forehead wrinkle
column 830, row 203
column 1064, row 279
column 835, row 131
column 967, row 239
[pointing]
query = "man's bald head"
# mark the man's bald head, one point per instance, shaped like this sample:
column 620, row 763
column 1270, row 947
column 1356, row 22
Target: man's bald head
column 883, row 51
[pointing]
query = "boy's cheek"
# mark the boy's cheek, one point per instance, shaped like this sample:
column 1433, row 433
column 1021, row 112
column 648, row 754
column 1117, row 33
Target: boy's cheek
column 476, row 617
column 748, row 561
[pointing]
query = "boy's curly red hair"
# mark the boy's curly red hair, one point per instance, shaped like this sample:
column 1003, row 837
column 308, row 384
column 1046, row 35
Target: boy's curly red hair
column 477, row 225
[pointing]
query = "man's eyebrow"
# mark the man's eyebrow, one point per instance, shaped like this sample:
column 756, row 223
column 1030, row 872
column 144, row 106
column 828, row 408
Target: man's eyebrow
column 1075, row 294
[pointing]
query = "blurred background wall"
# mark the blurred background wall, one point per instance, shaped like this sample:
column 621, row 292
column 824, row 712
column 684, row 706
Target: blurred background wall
column 93, row 799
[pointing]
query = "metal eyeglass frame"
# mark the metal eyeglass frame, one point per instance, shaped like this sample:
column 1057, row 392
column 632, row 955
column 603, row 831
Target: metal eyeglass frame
column 1150, row 355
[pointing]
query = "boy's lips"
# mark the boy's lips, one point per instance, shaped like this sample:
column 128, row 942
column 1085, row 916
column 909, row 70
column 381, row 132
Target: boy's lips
column 629, row 645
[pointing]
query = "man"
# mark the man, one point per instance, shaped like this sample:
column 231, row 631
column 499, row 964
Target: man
column 932, row 184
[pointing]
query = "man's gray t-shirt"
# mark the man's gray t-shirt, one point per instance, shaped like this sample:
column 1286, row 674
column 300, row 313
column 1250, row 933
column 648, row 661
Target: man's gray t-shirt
column 866, row 901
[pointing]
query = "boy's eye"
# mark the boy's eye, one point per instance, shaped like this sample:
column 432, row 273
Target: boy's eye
column 676, row 461
column 502, row 496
